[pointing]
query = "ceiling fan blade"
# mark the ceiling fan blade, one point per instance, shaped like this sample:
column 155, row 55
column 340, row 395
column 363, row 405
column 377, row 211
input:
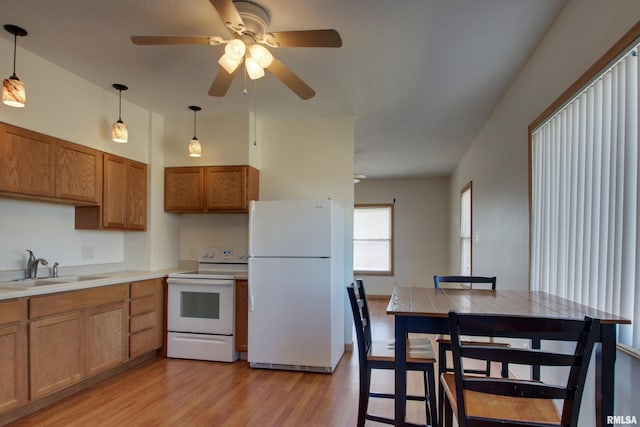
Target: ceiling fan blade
column 291, row 80
column 221, row 83
column 308, row 38
column 162, row 40
column 229, row 14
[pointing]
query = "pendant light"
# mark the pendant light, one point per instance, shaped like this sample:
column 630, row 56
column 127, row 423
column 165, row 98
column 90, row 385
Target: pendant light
column 13, row 90
column 195, row 149
column 119, row 131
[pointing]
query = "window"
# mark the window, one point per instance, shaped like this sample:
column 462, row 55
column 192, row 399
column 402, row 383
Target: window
column 585, row 238
column 465, row 230
column 373, row 239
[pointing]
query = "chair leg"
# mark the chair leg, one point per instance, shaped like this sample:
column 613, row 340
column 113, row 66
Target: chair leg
column 432, row 419
column 363, row 400
column 448, row 414
column 505, row 370
column 442, row 365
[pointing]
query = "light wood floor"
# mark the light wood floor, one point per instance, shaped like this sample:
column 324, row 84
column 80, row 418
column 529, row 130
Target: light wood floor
column 173, row 392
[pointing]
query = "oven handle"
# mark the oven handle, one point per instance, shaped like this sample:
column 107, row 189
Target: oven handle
column 203, row 282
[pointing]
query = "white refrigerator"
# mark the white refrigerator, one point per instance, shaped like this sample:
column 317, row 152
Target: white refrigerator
column 296, row 285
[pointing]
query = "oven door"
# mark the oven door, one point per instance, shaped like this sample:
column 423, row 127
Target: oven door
column 203, row 306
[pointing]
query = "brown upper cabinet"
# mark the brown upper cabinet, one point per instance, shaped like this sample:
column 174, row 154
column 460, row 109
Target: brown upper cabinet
column 210, row 188
column 124, row 199
column 40, row 167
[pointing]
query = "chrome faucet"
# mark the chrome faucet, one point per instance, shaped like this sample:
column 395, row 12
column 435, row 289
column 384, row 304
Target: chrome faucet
column 32, row 265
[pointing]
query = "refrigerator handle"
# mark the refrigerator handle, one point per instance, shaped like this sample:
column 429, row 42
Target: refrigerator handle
column 250, row 292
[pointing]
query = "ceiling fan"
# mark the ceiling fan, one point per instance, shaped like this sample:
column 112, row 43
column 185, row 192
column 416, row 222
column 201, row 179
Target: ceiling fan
column 248, row 23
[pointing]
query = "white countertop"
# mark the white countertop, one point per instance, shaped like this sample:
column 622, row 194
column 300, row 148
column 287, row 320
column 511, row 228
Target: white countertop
column 101, row 280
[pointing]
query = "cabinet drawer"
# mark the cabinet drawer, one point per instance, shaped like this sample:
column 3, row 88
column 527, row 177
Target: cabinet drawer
column 12, row 311
column 143, row 342
column 76, row 300
column 142, row 322
column 142, row 305
column 143, row 288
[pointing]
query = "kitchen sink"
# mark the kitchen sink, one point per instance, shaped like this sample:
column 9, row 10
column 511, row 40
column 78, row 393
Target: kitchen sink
column 28, row 283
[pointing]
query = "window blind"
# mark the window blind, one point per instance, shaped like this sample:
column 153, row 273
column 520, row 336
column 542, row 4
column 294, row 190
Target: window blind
column 585, row 238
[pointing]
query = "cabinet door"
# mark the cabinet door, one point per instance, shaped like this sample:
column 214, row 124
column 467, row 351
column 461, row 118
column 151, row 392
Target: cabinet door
column 242, row 315
column 57, row 356
column 106, row 337
column 78, row 173
column 13, row 355
column 114, row 209
column 226, row 188
column 27, row 162
column 183, row 189
column 136, row 203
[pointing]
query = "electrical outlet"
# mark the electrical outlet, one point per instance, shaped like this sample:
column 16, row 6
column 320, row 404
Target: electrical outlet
column 86, row 252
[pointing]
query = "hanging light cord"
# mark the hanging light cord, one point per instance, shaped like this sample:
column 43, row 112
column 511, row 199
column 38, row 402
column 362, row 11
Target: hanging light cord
column 15, row 44
column 120, row 105
column 194, row 124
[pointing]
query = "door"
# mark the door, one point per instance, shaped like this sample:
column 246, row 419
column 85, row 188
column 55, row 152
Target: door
column 290, row 228
column 290, row 311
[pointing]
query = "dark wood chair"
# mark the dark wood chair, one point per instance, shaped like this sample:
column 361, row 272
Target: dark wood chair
column 381, row 355
column 480, row 401
column 444, row 341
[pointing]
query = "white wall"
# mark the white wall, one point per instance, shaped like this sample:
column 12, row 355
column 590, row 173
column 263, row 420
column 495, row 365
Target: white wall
column 62, row 105
column 310, row 159
column 497, row 161
column 421, row 222
column 225, row 139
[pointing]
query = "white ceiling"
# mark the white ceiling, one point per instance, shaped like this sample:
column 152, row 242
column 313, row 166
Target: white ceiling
column 420, row 77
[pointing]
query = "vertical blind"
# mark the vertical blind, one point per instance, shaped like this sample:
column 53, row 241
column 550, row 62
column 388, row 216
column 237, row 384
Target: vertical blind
column 585, row 238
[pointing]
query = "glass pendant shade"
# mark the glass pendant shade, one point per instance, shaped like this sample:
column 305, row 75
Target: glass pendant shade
column 195, row 149
column 14, row 92
column 119, row 132
column 254, row 70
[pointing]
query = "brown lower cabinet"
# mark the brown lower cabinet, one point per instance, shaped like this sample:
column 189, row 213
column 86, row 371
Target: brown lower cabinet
column 75, row 335
column 14, row 391
column 56, row 344
column 242, row 315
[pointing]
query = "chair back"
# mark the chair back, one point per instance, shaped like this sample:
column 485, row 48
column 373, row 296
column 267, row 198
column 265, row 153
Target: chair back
column 473, row 282
column 580, row 332
column 361, row 319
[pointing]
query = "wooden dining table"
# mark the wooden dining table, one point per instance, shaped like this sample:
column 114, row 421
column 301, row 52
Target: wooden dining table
column 426, row 310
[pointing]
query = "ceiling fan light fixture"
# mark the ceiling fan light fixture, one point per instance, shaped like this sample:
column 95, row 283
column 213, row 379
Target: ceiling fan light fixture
column 254, row 70
column 13, row 90
column 119, row 131
column 235, row 49
column 195, row 148
column 261, row 54
column 228, row 63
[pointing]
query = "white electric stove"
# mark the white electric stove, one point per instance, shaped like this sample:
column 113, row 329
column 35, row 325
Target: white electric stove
column 201, row 306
